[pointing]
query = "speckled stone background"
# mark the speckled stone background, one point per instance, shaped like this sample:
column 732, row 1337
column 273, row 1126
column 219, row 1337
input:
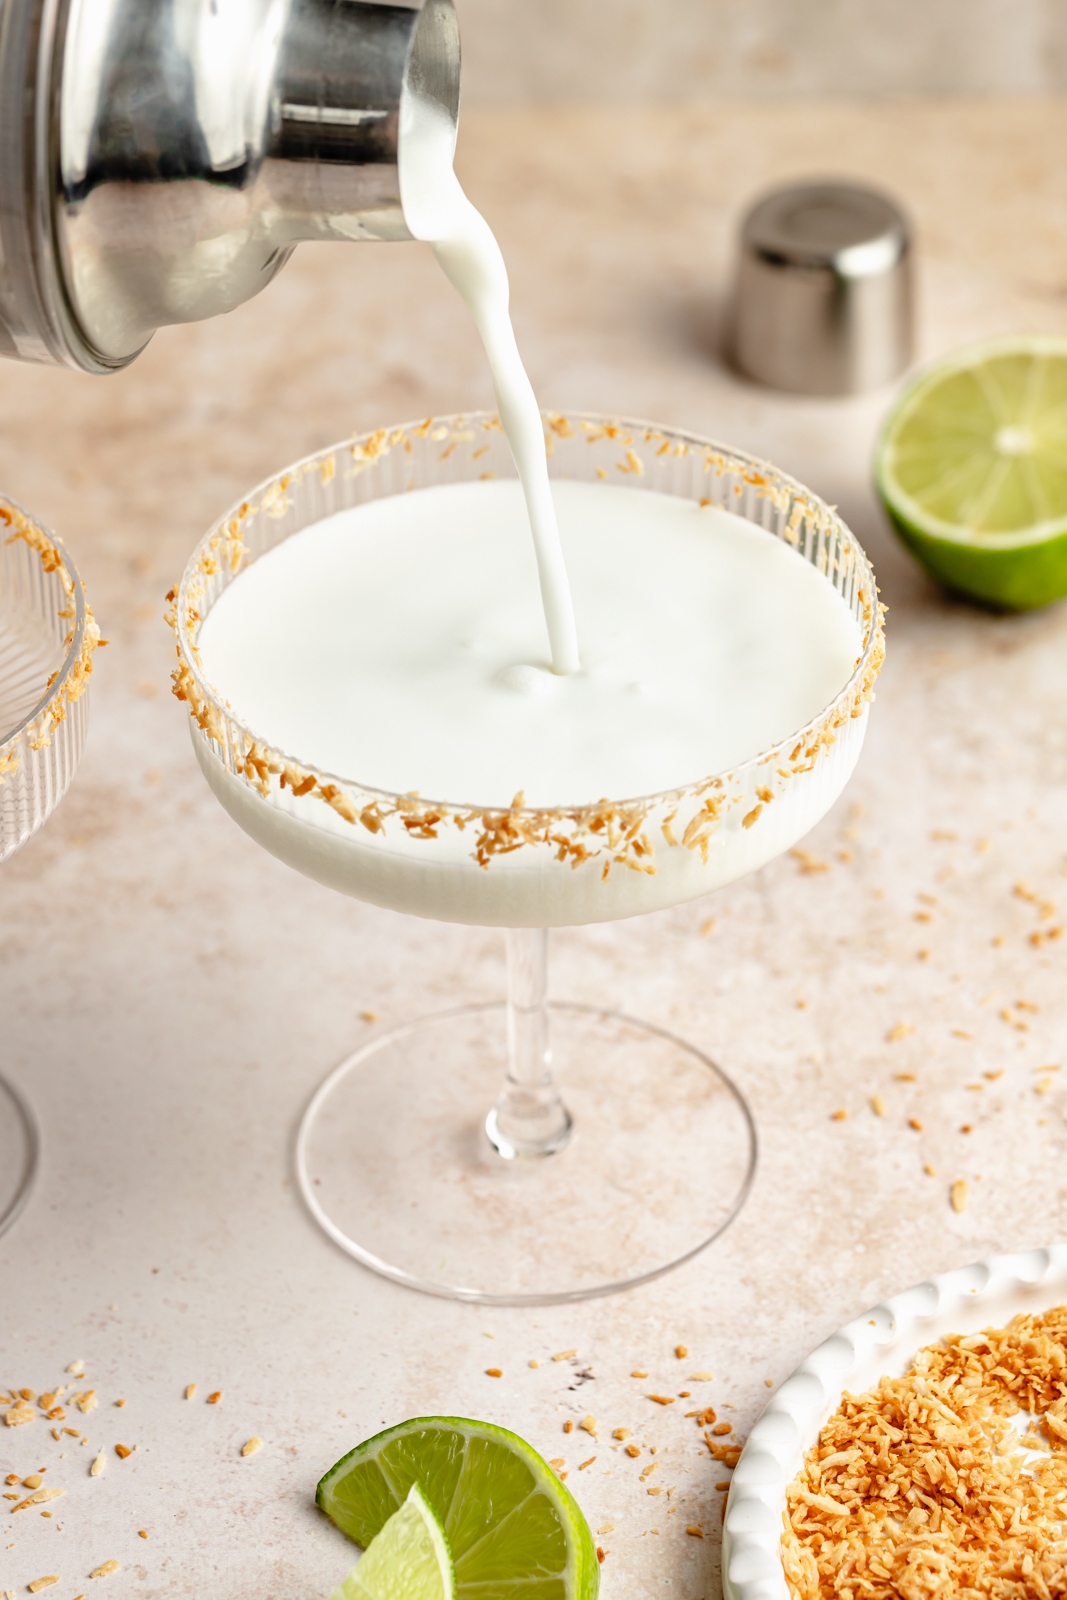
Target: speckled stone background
column 169, row 995
column 687, row 50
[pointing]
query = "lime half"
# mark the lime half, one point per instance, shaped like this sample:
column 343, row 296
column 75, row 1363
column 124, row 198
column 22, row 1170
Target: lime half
column 408, row 1560
column 513, row 1529
column 972, row 468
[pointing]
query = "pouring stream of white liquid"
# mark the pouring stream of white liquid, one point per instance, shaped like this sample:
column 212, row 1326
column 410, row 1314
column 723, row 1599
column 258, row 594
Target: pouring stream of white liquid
column 437, row 210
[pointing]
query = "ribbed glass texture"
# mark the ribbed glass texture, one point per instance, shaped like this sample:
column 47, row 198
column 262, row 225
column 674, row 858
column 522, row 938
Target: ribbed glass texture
column 42, row 730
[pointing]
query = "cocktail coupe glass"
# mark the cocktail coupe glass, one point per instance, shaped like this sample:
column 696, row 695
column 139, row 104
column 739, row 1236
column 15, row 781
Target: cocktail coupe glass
column 47, row 639
column 411, row 1155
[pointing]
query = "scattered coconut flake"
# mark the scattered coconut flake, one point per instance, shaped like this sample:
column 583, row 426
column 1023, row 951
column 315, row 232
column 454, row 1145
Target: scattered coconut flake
column 37, row 1499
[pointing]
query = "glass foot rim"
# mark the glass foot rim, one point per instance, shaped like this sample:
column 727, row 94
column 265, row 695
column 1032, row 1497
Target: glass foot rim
column 27, row 1119
column 476, row 1296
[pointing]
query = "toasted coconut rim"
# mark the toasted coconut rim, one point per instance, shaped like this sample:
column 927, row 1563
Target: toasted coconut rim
column 607, row 827
column 70, row 679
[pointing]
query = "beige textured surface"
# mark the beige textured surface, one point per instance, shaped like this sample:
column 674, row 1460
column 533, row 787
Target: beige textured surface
column 580, row 50
column 169, row 995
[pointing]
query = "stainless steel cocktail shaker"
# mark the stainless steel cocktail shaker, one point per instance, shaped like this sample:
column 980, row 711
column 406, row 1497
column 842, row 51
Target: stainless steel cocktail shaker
column 159, row 159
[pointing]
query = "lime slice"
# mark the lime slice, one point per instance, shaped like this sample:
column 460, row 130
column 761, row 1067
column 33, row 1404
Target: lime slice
column 408, row 1560
column 514, row 1530
column 972, row 468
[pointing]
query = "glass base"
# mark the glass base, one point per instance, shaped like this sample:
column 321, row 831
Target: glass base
column 395, row 1164
column 19, row 1148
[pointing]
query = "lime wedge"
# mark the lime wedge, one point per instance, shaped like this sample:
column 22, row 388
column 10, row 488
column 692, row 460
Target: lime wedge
column 972, row 468
column 408, row 1560
column 512, row 1527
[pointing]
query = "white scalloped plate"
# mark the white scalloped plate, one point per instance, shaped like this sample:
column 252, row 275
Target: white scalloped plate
column 882, row 1341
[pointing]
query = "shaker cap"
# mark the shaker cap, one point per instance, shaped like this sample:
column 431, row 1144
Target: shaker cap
column 823, row 300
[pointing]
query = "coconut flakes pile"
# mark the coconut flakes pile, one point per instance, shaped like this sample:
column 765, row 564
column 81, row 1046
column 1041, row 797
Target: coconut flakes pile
column 923, row 1487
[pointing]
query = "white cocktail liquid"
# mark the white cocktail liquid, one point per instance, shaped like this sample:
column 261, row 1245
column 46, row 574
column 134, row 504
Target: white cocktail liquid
column 437, row 210
column 400, row 645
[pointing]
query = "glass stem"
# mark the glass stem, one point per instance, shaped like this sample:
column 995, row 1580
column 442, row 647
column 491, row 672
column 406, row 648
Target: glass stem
column 529, row 1119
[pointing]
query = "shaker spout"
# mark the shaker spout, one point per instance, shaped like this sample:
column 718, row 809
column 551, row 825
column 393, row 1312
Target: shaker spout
column 333, row 156
column 178, row 150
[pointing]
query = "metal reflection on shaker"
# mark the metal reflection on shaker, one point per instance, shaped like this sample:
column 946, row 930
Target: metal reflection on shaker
column 823, row 301
column 159, row 159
